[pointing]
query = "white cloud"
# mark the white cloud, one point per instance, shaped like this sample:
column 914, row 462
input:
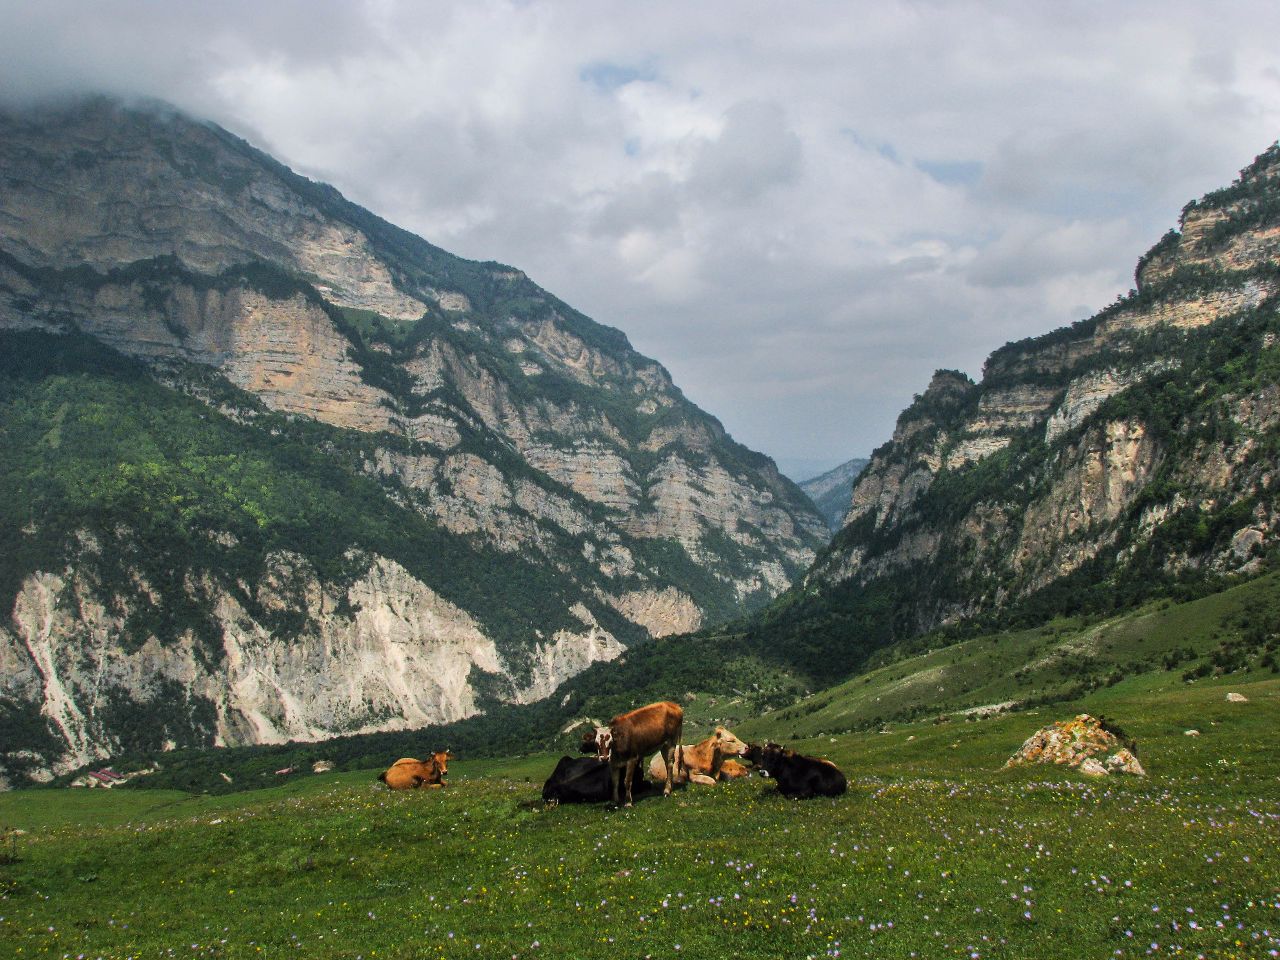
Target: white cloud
column 800, row 210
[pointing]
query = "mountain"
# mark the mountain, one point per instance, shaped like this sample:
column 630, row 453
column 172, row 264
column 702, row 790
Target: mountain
column 830, row 491
column 276, row 469
column 1130, row 455
column 1065, row 524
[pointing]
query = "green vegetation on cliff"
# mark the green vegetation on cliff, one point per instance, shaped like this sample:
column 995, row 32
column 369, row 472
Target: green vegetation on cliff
column 135, row 479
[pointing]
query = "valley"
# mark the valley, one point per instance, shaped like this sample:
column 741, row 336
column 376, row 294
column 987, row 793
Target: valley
column 275, row 516
column 934, row 851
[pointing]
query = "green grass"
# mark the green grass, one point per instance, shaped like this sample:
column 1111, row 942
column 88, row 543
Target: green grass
column 1231, row 630
column 934, row 852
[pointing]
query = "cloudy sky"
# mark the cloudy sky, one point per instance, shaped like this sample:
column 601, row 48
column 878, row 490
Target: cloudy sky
column 802, row 209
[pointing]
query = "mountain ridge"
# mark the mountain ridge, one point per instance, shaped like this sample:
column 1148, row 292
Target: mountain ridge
column 577, row 502
column 830, row 491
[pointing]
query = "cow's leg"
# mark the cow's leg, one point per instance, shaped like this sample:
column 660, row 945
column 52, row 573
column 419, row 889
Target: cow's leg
column 631, row 773
column 668, row 758
column 615, row 775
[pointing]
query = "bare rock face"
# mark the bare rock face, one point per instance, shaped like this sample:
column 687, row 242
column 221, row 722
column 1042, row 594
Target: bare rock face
column 388, row 653
column 1083, row 743
column 661, row 612
column 477, row 400
column 1129, row 444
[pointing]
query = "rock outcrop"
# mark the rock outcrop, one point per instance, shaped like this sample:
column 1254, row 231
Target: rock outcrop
column 1083, row 743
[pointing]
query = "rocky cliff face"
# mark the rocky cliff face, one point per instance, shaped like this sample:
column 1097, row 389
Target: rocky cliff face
column 1088, row 467
column 474, row 400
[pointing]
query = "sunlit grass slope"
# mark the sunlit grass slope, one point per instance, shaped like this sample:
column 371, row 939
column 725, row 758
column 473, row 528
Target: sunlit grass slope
column 1234, row 632
column 934, row 852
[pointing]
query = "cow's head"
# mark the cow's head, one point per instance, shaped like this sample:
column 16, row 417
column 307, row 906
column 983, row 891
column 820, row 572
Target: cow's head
column 603, row 740
column 441, row 760
column 730, row 745
column 770, row 758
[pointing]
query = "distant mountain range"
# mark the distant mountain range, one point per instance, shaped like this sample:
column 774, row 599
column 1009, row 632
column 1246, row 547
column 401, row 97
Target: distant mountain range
column 276, row 469
column 831, row 491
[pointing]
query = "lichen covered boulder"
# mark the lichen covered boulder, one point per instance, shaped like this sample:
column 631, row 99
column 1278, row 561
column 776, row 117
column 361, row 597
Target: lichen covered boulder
column 1084, row 743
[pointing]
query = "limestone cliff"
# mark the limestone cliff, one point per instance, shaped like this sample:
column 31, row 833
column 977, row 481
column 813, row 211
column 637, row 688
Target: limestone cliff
column 506, row 423
column 1088, row 468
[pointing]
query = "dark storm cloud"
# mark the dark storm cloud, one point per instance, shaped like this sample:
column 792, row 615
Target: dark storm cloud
column 801, row 211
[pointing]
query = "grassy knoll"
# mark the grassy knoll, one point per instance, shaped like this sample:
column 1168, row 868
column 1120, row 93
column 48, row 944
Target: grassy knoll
column 933, row 853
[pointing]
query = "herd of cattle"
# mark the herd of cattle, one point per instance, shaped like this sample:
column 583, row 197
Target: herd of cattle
column 629, row 738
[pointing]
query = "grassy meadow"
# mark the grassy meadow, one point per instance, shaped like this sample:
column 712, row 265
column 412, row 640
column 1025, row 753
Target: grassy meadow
column 934, row 852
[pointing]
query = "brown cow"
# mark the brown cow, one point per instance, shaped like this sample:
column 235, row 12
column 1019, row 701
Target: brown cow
column 630, row 736
column 703, row 762
column 733, row 770
column 410, row 774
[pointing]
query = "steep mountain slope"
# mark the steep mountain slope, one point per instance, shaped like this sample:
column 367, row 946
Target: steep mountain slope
column 1129, row 456
column 830, row 491
column 1091, row 467
column 276, row 469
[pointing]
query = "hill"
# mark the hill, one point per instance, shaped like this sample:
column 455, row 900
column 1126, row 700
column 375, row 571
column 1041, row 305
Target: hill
column 278, row 470
column 1232, row 635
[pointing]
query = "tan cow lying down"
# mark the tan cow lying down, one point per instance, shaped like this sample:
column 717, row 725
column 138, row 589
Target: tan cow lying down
column 703, row 762
column 630, row 736
column 733, row 770
column 410, row 774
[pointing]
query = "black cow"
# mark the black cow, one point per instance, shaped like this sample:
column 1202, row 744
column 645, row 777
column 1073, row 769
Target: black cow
column 801, row 777
column 586, row 780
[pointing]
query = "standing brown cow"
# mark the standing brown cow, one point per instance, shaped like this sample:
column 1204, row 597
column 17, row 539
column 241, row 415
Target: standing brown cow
column 630, row 736
column 410, row 774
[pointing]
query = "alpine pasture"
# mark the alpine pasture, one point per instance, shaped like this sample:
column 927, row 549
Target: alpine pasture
column 934, row 852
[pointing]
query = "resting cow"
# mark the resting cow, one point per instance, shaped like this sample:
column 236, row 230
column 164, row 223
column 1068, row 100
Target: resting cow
column 801, row 777
column 410, row 774
column 703, row 762
column 630, row 737
column 585, row 780
column 733, row 770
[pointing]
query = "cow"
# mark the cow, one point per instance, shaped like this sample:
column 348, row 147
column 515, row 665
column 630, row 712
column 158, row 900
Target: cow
column 630, row 736
column 733, row 770
column 585, row 780
column 410, row 774
column 755, row 753
column 801, row 777
column 703, row 762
